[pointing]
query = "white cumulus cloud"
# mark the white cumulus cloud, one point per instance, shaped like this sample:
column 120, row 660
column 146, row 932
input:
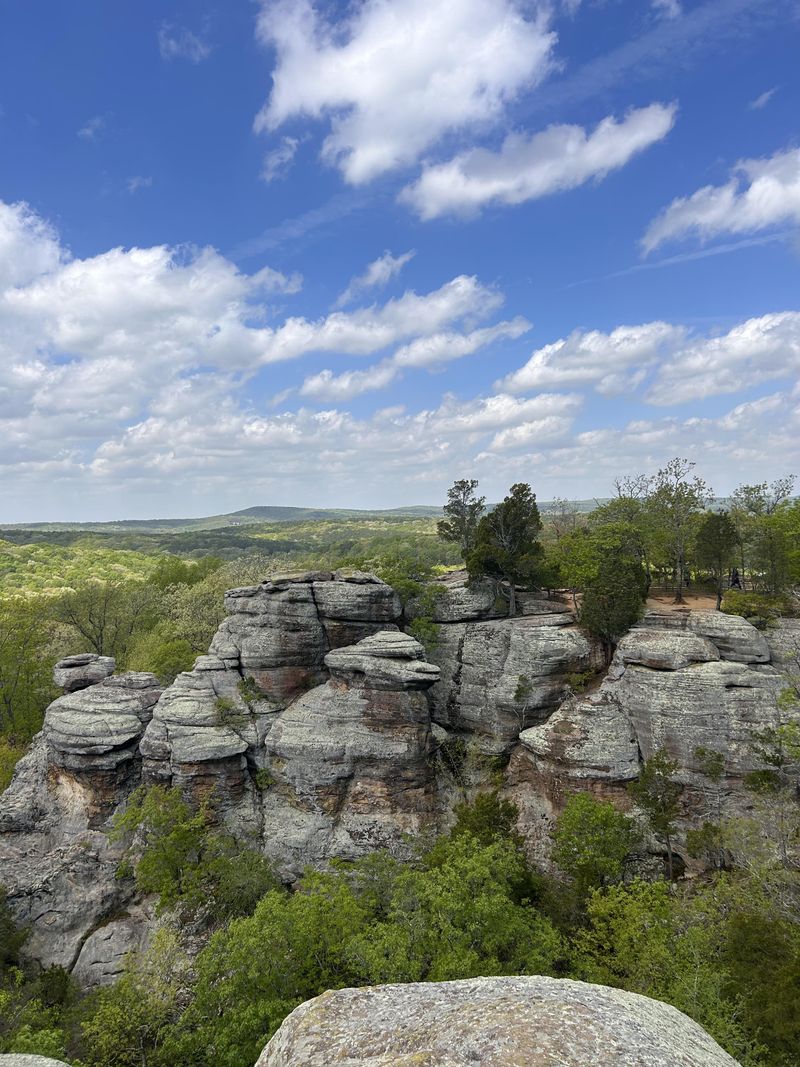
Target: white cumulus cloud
column 758, row 350
column 400, row 74
column 429, row 351
column 529, row 166
column 612, row 363
column 760, row 193
column 365, row 331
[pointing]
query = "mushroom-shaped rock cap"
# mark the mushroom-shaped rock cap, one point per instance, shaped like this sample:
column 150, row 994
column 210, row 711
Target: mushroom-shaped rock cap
column 81, row 671
column 495, row 1022
column 388, row 659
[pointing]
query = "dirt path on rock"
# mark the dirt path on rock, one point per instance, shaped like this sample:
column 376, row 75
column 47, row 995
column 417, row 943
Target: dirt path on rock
column 694, row 602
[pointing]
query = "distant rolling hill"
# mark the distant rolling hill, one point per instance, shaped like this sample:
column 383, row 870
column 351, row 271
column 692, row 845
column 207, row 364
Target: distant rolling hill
column 246, row 517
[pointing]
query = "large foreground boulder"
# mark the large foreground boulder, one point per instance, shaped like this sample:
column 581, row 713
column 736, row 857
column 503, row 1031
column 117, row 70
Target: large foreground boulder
column 495, row 1022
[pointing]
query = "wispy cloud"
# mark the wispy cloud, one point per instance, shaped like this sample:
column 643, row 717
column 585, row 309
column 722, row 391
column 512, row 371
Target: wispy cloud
column 138, row 182
column 687, row 257
column 295, row 229
column 378, row 274
column 668, row 9
column 93, row 129
column 178, row 43
column 763, row 100
column 761, row 193
column 529, row 166
column 709, row 26
column 278, row 162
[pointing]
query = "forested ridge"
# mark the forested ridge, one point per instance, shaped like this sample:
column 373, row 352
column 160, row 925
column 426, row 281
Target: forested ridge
column 236, row 949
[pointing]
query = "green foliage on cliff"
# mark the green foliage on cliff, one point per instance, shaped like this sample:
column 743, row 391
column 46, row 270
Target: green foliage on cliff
column 182, row 856
column 725, row 949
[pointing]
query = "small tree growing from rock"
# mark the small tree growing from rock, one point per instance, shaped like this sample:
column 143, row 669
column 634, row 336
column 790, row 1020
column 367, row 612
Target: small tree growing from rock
column 507, row 543
column 462, row 511
column 658, row 795
column 591, row 842
column 612, row 601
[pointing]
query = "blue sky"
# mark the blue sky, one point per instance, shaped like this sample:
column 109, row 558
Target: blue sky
column 328, row 254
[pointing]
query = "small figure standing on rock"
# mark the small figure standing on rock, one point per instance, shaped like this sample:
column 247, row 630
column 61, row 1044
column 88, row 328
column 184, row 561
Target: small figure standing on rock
column 736, row 582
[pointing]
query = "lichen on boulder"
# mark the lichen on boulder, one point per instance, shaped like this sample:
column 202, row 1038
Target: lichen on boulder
column 495, row 1022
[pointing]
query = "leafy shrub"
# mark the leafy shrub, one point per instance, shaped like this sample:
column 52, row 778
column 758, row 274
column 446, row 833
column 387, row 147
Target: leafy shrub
column 249, row 691
column 579, row 681
column 227, row 713
column 761, row 607
column 176, row 853
column 263, row 779
column 426, row 631
column 10, row 755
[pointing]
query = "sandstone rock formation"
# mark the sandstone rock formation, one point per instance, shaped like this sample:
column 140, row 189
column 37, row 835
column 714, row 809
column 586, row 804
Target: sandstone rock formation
column 207, row 734
column 350, row 760
column 496, row 1022
column 78, row 672
column 314, row 723
column 500, row 676
column 56, row 860
column 679, row 681
column 279, row 632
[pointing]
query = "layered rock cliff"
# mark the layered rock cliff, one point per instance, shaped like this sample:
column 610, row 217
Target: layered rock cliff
column 317, row 727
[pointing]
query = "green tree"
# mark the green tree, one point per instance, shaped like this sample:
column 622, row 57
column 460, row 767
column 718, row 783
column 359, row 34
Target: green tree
column 162, row 652
column 612, row 601
column 462, row 511
column 507, row 543
column 12, row 938
column 177, row 854
column 107, row 615
column 657, row 793
column 133, row 1019
column 488, row 818
column 644, row 938
column 715, row 546
column 591, row 842
column 676, row 498
column 707, row 841
column 461, row 915
column 759, row 511
column 172, row 570
column 26, row 684
column 256, row 970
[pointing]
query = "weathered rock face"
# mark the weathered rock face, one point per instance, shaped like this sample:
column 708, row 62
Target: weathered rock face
column 314, row 722
column 98, row 728
column 734, row 637
column 350, row 760
column 78, row 672
column 55, row 860
column 501, row 676
column 497, row 1022
column 279, row 632
column 210, row 729
column 678, row 682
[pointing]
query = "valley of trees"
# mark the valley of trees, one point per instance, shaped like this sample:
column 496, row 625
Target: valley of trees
column 725, row 948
